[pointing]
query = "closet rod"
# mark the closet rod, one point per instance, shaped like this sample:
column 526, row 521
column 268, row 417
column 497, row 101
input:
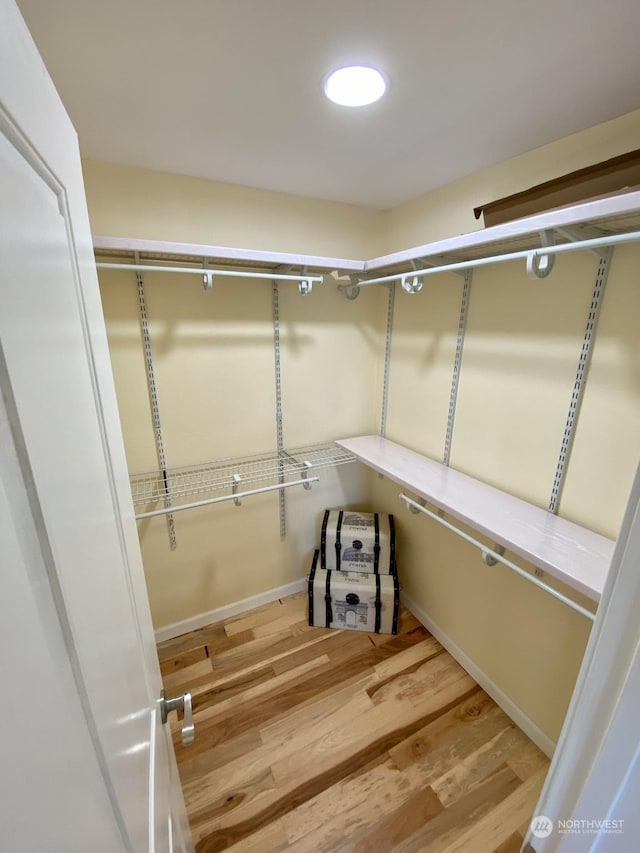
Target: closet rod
column 207, row 271
column 596, row 242
column 499, row 557
column 305, row 481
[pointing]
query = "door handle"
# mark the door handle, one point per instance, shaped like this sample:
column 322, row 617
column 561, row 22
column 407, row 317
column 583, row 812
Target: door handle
column 183, row 703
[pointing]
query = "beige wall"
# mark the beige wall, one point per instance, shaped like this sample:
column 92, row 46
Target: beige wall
column 521, row 350
column 448, row 211
column 130, row 202
column 214, row 360
column 214, row 364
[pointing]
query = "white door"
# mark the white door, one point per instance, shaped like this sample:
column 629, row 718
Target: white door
column 86, row 763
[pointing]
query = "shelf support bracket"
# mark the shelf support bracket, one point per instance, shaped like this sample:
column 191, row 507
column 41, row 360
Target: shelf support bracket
column 576, row 233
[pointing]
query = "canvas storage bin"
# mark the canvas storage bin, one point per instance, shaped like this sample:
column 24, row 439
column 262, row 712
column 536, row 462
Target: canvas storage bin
column 360, row 602
column 358, row 542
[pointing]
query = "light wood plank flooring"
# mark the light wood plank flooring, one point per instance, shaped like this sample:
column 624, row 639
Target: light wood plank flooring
column 316, row 740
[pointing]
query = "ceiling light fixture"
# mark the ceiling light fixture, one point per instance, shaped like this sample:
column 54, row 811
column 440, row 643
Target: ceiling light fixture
column 355, row 85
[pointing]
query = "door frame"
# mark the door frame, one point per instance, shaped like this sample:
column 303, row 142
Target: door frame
column 591, row 768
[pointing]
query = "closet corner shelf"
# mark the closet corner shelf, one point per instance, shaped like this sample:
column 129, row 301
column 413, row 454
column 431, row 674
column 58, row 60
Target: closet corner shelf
column 234, row 475
column 574, row 555
column 611, row 215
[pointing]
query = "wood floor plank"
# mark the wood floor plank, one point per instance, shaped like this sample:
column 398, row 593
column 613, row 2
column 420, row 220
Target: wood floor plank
column 528, row 761
column 266, row 650
column 469, row 772
column 460, row 820
column 213, row 637
column 352, row 804
column 267, row 613
column 269, row 839
column 512, row 844
column 183, row 660
column 213, row 712
column 496, row 826
column 386, row 834
column 307, row 771
column 284, row 726
column 310, row 740
column 183, row 679
column 333, row 743
column 195, row 765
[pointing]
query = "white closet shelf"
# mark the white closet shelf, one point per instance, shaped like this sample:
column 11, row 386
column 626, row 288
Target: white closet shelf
column 235, row 474
column 158, row 251
column 602, row 217
column 574, row 555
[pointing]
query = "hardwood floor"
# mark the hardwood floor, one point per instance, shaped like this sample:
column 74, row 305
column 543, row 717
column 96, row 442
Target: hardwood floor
column 316, row 740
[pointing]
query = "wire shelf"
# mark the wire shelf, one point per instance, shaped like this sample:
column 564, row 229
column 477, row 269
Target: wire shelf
column 232, row 474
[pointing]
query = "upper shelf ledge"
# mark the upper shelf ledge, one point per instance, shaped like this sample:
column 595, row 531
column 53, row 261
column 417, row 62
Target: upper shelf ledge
column 160, row 250
column 598, row 218
column 574, row 555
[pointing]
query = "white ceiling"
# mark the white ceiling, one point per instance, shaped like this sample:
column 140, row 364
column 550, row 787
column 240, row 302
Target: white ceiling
column 231, row 89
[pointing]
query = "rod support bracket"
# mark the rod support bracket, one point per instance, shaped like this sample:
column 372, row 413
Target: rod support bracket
column 412, row 284
column 207, row 276
column 234, row 489
column 539, row 264
column 351, row 291
column 305, row 285
column 305, row 473
column 413, row 510
column 487, row 557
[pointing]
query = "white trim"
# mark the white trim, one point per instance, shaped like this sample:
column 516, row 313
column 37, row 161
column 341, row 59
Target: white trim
column 518, row 716
column 193, row 623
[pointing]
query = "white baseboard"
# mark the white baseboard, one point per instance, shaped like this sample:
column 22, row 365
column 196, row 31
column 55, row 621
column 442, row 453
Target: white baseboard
column 518, row 716
column 168, row 632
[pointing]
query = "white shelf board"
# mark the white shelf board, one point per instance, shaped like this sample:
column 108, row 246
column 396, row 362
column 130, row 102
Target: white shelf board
column 574, row 555
column 604, row 216
column 161, row 250
column 611, row 215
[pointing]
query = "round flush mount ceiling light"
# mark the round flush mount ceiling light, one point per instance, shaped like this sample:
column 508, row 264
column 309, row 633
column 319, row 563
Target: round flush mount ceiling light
column 355, row 85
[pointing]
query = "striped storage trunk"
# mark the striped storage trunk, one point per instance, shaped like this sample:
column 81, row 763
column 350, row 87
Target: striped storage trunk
column 358, row 542
column 353, row 600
